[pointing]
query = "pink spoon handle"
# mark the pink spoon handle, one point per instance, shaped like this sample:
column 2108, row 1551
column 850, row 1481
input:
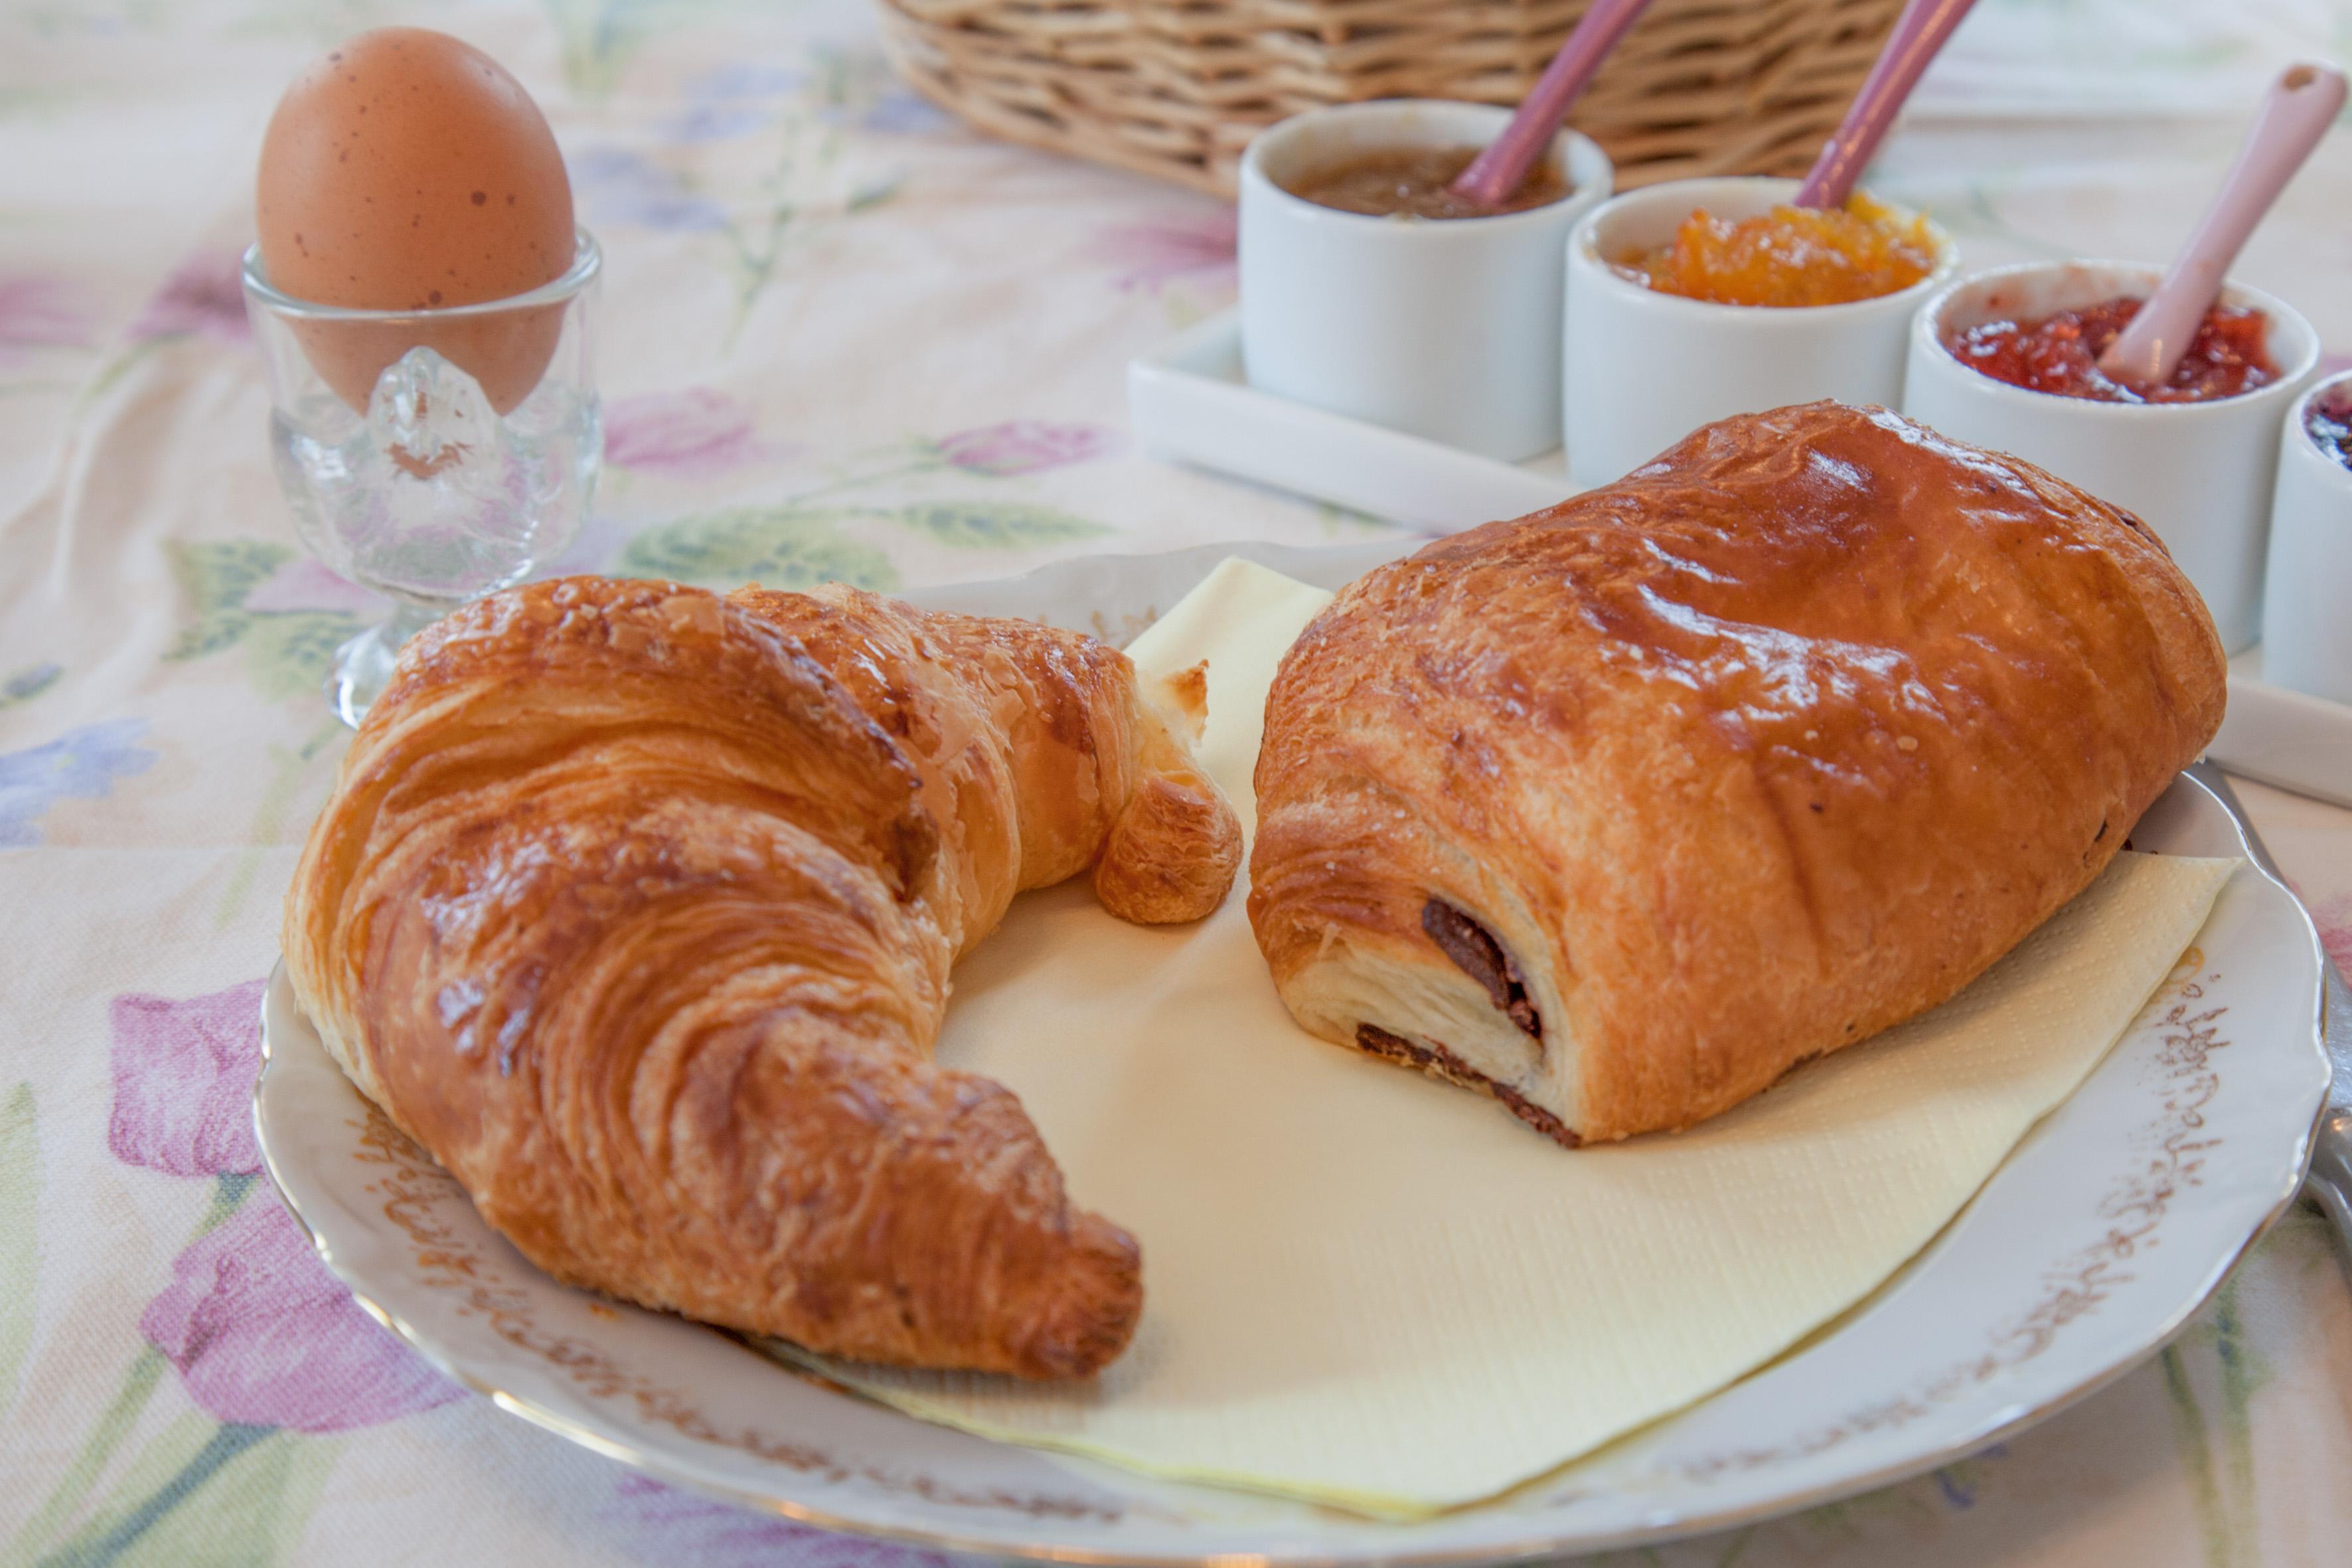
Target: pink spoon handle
column 1495, row 173
column 2295, row 115
column 1919, row 34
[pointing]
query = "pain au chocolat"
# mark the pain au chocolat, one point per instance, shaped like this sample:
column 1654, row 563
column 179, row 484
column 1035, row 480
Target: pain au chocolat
column 1618, row 811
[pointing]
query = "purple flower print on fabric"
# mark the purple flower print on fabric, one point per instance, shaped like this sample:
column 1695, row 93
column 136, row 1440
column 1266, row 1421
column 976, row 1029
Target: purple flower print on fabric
column 1150, row 255
column 81, row 764
column 718, row 121
column 1024, row 447
column 732, row 101
column 183, row 1075
column 901, row 110
column 302, row 584
column 624, row 187
column 206, row 295
column 39, row 313
column 263, row 1335
column 679, row 1527
column 693, row 433
column 600, row 538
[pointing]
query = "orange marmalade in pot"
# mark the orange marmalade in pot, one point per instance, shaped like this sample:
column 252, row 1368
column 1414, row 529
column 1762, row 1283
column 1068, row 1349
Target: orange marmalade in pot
column 1790, row 255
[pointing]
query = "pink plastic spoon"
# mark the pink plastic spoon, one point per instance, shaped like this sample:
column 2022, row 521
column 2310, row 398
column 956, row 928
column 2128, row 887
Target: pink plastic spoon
column 1495, row 173
column 1919, row 34
column 2295, row 115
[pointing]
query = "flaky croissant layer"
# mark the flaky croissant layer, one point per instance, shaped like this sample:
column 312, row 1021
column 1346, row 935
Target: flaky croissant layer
column 636, row 907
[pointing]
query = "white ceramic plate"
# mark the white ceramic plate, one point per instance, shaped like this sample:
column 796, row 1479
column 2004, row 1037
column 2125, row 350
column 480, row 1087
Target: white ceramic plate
column 2105, row 1230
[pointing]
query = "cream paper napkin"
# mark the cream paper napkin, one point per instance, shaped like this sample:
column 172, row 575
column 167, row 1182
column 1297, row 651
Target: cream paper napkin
column 1366, row 1288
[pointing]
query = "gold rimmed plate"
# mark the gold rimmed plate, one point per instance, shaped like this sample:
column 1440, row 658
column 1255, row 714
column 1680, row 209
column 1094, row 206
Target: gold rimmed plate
column 2099, row 1237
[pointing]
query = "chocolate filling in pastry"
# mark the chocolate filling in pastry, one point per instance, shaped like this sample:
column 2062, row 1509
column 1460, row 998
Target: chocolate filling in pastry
column 1476, row 953
column 1444, row 1063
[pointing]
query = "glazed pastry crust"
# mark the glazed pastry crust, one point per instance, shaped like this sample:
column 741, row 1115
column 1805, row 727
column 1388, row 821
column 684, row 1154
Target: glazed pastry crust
column 636, row 907
column 1779, row 741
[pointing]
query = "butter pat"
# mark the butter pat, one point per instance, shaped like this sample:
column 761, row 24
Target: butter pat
column 1367, row 1289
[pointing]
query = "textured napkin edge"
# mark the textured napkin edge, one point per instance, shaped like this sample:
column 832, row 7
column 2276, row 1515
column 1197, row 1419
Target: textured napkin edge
column 1372, row 1505
column 2191, row 921
column 2223, row 869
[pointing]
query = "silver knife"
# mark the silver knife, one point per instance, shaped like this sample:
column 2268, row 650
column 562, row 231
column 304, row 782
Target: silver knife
column 2328, row 1187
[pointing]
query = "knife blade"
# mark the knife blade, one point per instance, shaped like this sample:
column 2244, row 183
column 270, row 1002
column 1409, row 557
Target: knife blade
column 2327, row 1187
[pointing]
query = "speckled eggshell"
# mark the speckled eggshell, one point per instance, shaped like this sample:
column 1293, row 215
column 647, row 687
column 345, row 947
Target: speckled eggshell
column 407, row 171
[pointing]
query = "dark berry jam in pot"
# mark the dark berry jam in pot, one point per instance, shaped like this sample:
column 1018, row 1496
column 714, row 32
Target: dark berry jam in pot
column 2329, row 422
column 2060, row 353
column 1416, row 182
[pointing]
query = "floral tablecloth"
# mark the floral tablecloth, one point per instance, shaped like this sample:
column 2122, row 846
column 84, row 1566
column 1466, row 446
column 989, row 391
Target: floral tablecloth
column 842, row 338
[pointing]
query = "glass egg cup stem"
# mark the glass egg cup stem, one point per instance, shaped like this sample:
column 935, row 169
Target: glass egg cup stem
column 362, row 666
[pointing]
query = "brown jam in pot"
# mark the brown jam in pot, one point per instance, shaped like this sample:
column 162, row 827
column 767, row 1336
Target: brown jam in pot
column 1414, row 181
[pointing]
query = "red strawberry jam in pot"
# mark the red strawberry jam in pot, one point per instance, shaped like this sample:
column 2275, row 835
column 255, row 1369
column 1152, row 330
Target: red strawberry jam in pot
column 2329, row 423
column 2060, row 353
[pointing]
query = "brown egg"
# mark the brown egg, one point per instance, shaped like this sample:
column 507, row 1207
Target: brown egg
column 407, row 171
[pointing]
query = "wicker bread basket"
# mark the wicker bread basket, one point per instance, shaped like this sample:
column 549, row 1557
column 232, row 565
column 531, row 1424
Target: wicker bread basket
column 1177, row 87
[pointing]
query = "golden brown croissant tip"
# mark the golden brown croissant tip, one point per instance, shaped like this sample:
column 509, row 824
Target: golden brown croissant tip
column 1142, row 879
column 1095, row 1317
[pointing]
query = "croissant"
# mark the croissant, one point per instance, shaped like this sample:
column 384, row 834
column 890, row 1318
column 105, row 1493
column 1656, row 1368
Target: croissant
column 636, row 906
column 1618, row 811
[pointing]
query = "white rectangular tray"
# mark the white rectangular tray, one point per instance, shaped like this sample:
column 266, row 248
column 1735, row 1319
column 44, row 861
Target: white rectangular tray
column 2283, row 737
column 1190, row 402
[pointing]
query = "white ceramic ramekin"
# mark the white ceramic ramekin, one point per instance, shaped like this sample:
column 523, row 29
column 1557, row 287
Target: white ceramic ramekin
column 2307, row 633
column 1447, row 328
column 1645, row 369
column 2198, row 473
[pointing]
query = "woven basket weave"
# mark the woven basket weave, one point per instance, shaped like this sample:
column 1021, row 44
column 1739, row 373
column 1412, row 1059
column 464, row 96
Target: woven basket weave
column 1177, row 87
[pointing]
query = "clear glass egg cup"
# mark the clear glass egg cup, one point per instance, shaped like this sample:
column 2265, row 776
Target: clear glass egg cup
column 431, row 456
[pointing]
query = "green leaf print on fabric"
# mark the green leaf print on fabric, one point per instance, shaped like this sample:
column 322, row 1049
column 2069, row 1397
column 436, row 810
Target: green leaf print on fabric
column 252, row 1512
column 995, row 525
column 289, row 639
column 29, row 683
column 206, row 1495
column 803, row 111
column 775, row 546
column 289, row 655
column 104, row 1533
column 601, row 37
column 216, row 577
column 2215, row 1439
column 20, row 1254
